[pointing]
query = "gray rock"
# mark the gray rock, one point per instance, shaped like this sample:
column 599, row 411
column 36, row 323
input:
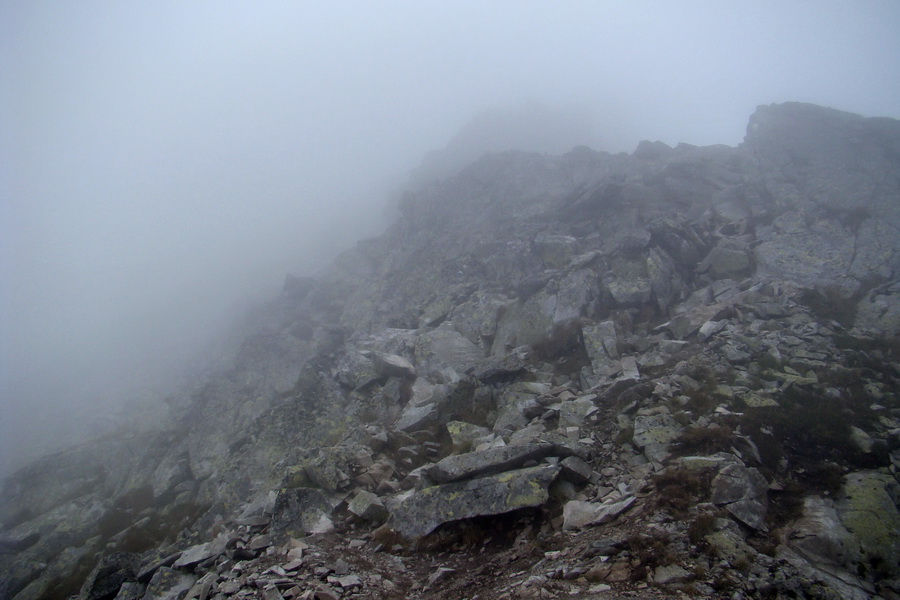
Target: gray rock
column 464, row 435
column 444, row 354
column 131, row 591
column 576, row 294
column 743, row 492
column 578, row 514
column 868, row 509
column 820, row 536
column 665, row 574
column 879, row 311
column 860, row 440
column 654, row 429
column 601, row 342
column 573, row 413
column 169, row 584
column 485, row 462
column 368, row 506
column 630, row 292
column 109, row 575
column 422, row 512
column 555, row 250
column 630, row 368
column 200, row 552
column 476, row 318
column 392, row 365
column 301, row 511
column 728, row 260
column 418, row 417
column 576, row 470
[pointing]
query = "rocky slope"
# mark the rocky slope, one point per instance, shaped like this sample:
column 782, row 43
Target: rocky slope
column 666, row 374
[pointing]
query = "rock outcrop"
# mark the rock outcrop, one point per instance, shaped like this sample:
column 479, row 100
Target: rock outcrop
column 553, row 376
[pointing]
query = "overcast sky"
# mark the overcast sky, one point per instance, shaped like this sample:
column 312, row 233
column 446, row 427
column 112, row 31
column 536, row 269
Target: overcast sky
column 162, row 163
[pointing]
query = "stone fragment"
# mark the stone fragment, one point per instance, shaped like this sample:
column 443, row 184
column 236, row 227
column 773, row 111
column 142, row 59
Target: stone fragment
column 415, row 418
column 109, row 575
column 325, row 594
column 464, row 435
column 169, row 584
column 654, row 429
column 131, row 590
column 423, row 511
column 714, row 461
column 444, row 354
column 879, row 310
column 574, row 412
column 672, row 347
column 630, row 368
column 393, row 365
column 301, row 511
column 635, row 291
column 201, row 589
column 665, row 574
column 271, row 592
column 860, row 440
column 601, row 342
column 819, row 533
column 743, row 492
column 485, row 462
column 868, row 509
column 710, row 328
column 368, row 506
column 729, row 259
column 200, row 552
column 578, row 514
column 348, row 582
column 441, row 574
column 575, row 470
column 355, row 370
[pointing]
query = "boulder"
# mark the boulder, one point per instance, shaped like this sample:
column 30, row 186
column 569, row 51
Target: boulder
column 573, row 413
column 727, row 260
column 578, row 514
column 426, row 509
column 868, row 509
column 879, row 311
column 601, row 342
column 392, row 365
column 444, row 354
column 169, row 584
column 418, row 417
column 476, row 318
column 201, row 552
column 820, row 536
column 484, row 462
column 301, row 511
column 630, row 292
column 368, row 506
column 743, row 492
column 576, row 470
column 655, row 429
column 109, row 575
column 464, row 435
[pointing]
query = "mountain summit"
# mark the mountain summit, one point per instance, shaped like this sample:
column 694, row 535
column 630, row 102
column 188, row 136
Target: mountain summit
column 669, row 372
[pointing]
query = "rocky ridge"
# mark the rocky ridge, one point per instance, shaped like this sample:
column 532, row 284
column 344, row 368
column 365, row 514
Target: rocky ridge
column 666, row 374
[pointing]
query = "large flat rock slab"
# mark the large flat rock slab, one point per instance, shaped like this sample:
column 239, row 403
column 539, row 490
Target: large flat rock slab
column 486, row 462
column 425, row 510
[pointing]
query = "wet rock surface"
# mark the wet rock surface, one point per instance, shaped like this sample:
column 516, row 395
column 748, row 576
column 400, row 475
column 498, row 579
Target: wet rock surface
column 670, row 374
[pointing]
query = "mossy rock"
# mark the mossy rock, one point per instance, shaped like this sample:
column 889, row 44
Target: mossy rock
column 869, row 512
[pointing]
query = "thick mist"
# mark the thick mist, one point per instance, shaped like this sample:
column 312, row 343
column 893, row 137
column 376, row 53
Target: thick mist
column 163, row 165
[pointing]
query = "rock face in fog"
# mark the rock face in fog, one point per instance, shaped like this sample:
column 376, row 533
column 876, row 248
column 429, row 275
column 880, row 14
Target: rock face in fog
column 561, row 373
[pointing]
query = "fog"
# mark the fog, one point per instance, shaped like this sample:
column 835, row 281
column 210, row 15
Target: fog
column 164, row 164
